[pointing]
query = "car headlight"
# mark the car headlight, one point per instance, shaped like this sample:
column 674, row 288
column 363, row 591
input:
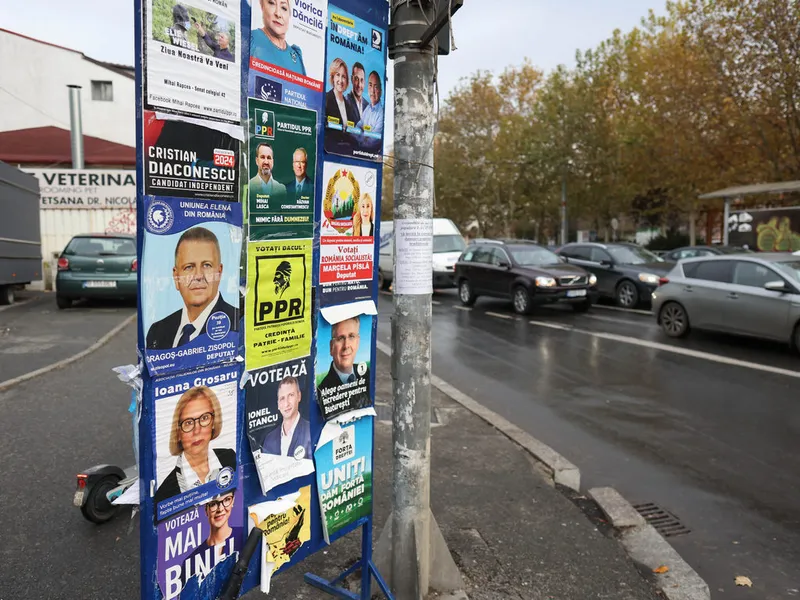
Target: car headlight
column 592, row 279
column 648, row 278
column 545, row 282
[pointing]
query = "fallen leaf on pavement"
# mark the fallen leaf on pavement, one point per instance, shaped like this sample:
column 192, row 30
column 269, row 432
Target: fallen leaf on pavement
column 661, row 569
column 743, row 581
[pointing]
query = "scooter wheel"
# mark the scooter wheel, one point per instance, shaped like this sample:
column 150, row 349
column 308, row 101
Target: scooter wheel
column 97, row 508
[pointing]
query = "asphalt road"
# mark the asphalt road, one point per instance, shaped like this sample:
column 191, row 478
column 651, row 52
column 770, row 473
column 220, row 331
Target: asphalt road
column 711, row 435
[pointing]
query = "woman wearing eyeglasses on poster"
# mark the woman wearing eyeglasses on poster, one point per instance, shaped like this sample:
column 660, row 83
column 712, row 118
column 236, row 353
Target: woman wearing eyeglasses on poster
column 196, row 421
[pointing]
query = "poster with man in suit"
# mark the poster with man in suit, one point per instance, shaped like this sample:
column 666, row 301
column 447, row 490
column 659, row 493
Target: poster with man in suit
column 190, row 276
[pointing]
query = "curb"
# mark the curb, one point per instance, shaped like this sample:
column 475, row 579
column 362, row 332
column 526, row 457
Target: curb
column 4, row 385
column 646, row 546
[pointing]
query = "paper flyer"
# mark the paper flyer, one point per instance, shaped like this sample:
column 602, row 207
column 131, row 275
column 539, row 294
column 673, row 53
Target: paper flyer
column 283, row 161
column 277, row 302
column 189, row 161
column 354, row 105
column 194, row 437
column 286, row 523
column 343, row 365
column 194, row 542
column 287, row 51
column 347, row 233
column 344, row 474
column 190, row 283
column 278, row 427
column 193, row 50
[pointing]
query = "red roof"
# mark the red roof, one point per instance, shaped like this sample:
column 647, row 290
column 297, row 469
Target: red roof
column 52, row 146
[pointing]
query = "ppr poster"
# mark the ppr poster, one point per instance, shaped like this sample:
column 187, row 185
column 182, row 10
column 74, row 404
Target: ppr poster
column 347, row 233
column 277, row 302
column 193, row 50
column 283, row 161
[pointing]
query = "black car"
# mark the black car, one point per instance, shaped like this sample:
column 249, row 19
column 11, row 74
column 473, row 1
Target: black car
column 523, row 271
column 696, row 251
column 626, row 273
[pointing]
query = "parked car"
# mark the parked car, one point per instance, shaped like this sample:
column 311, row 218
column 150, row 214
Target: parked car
column 754, row 295
column 523, row 271
column 97, row 265
column 626, row 273
column 696, row 251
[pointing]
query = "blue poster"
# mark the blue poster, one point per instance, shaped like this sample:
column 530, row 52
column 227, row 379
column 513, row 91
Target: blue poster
column 190, row 283
column 354, row 105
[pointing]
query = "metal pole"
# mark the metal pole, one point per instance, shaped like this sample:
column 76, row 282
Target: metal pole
column 76, row 126
column 726, row 213
column 564, row 233
column 411, row 325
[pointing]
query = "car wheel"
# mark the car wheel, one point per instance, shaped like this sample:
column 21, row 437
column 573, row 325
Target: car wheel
column 627, row 296
column 6, row 295
column 674, row 320
column 97, row 508
column 522, row 300
column 465, row 293
column 582, row 307
column 63, row 302
column 381, row 280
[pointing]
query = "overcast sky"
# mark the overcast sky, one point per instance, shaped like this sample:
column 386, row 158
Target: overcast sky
column 489, row 34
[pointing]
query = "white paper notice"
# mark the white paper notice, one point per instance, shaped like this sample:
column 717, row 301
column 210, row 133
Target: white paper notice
column 413, row 263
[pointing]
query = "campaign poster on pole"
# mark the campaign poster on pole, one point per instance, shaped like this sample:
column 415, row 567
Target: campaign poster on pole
column 347, row 233
column 194, row 439
column 189, row 161
column 342, row 371
column 278, row 401
column 277, row 302
column 287, row 51
column 192, row 543
column 344, row 473
column 190, row 283
column 193, row 50
column 283, row 161
column 354, row 105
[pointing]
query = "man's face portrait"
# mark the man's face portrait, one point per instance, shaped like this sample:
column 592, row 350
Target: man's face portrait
column 299, row 164
column 374, row 90
column 223, row 40
column 344, row 344
column 265, row 161
column 358, row 82
column 197, row 272
column 283, row 278
column 218, row 510
column 288, row 401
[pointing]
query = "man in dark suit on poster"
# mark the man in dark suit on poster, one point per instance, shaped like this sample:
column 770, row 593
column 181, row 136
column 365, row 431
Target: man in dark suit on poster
column 197, row 273
column 293, row 436
column 344, row 371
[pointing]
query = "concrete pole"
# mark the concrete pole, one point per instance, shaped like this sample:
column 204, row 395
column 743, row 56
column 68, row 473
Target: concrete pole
column 76, row 126
column 726, row 213
column 564, row 228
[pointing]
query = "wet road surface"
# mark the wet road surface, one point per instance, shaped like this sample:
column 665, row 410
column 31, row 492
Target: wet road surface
column 707, row 428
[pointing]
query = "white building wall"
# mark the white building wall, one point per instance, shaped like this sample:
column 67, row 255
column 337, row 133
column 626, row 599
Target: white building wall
column 33, row 91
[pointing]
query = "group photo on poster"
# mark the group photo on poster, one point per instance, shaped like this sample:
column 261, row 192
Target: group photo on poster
column 354, row 104
column 342, row 370
column 283, row 160
column 195, row 437
column 278, row 425
column 190, row 282
column 347, row 233
column 278, row 302
column 189, row 161
column 287, row 49
column 192, row 543
column 192, row 49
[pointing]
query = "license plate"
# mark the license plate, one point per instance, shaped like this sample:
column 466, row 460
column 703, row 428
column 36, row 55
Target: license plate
column 575, row 293
column 78, row 499
column 99, row 284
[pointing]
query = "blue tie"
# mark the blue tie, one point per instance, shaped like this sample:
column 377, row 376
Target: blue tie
column 188, row 330
column 351, row 378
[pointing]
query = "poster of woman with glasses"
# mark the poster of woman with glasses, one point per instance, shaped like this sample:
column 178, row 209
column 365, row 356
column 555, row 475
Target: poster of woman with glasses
column 195, row 437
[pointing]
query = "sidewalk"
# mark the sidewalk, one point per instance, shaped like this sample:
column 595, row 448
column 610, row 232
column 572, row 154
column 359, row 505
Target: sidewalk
column 511, row 533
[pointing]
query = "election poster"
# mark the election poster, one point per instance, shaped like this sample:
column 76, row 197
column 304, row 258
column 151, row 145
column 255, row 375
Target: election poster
column 354, row 105
column 286, row 524
column 277, row 302
column 283, row 161
column 192, row 543
column 347, row 233
column 193, row 50
column 287, row 51
column 278, row 426
column 188, row 160
column 194, row 437
column 190, row 283
column 344, row 473
column 343, row 365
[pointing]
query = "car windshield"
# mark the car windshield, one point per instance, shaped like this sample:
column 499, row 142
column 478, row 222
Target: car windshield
column 448, row 243
column 533, row 255
column 791, row 268
column 100, row 246
column 733, row 250
column 632, row 255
